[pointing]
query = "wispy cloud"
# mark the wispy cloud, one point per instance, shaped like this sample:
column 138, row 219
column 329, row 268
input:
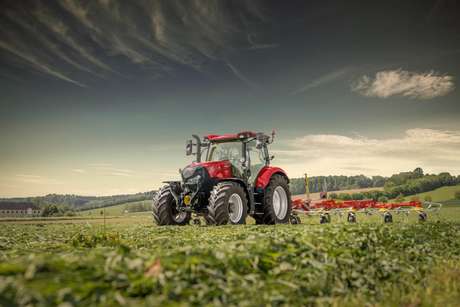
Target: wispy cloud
column 64, row 34
column 437, row 150
column 79, row 170
column 322, row 80
column 155, row 36
column 37, row 64
column 404, row 83
column 240, row 75
column 36, row 179
column 109, row 169
column 255, row 45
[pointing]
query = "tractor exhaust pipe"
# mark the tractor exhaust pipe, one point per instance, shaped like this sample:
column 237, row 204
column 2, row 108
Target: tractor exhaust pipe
column 198, row 147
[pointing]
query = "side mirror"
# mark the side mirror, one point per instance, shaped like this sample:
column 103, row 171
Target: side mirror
column 260, row 140
column 189, row 148
column 259, row 144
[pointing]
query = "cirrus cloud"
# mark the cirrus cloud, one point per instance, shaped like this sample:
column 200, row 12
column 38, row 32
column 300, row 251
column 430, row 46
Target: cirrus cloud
column 400, row 82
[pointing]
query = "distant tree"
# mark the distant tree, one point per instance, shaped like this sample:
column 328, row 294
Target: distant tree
column 378, row 181
column 418, row 172
column 49, row 210
column 457, row 194
column 428, row 198
column 101, row 212
column 344, row 196
column 383, row 199
column 357, row 196
column 333, row 195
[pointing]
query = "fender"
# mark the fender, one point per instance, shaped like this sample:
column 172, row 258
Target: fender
column 263, row 178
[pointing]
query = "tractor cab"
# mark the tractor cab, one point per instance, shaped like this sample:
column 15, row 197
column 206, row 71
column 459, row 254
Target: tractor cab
column 230, row 178
column 244, row 154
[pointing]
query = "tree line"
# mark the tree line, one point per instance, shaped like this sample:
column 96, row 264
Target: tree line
column 404, row 184
column 68, row 202
column 335, row 183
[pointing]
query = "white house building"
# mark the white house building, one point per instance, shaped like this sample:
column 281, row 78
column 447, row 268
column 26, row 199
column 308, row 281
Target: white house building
column 18, row 209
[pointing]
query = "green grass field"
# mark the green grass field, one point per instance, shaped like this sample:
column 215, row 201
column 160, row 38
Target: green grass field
column 443, row 195
column 129, row 261
column 116, row 210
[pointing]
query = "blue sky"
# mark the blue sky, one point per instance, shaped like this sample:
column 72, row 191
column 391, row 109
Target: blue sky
column 99, row 97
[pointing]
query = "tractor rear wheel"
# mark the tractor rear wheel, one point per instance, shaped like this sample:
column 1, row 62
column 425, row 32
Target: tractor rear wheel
column 164, row 210
column 277, row 204
column 227, row 204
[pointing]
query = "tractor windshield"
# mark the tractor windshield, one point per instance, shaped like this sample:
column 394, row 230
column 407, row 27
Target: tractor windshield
column 231, row 151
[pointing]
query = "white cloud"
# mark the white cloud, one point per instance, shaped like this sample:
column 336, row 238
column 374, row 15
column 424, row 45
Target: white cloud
column 324, row 154
column 404, row 83
column 108, row 169
column 79, row 170
column 36, row 179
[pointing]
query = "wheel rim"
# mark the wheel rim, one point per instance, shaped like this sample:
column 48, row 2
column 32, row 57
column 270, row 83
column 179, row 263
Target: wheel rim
column 180, row 216
column 235, row 208
column 280, row 202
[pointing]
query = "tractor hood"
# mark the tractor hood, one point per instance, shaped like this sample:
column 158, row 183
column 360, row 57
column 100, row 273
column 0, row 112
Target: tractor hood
column 215, row 169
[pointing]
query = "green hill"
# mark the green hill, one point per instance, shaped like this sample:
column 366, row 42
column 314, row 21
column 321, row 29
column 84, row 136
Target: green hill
column 443, row 195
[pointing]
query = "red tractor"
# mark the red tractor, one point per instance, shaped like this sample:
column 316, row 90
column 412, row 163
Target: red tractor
column 234, row 180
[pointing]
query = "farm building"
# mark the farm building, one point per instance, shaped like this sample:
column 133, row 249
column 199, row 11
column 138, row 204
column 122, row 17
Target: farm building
column 18, row 209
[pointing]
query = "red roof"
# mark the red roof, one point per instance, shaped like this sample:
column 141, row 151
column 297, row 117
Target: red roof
column 11, row 205
column 230, row 136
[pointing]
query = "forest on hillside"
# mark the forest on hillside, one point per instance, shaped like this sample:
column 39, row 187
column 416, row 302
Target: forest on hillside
column 78, row 202
column 398, row 185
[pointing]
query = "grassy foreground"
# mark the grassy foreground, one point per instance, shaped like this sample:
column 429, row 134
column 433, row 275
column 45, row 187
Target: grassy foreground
column 140, row 264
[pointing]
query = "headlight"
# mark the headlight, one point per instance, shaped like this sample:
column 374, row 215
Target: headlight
column 194, row 180
column 188, row 172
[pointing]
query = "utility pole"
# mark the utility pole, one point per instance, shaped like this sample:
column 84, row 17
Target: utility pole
column 307, row 188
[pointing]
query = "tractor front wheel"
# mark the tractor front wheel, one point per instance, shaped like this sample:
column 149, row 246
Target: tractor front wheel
column 164, row 210
column 227, row 204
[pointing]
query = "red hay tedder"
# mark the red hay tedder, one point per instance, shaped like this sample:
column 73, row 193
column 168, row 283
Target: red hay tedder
column 326, row 207
column 232, row 177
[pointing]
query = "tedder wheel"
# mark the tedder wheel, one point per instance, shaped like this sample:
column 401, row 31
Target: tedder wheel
column 227, row 204
column 387, row 217
column 277, row 204
column 325, row 218
column 295, row 219
column 164, row 210
column 422, row 216
column 351, row 217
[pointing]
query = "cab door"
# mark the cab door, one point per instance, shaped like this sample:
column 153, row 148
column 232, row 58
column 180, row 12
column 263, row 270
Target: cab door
column 256, row 159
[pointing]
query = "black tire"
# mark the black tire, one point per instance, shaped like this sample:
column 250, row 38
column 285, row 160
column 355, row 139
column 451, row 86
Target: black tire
column 422, row 216
column 387, row 217
column 351, row 218
column 164, row 210
column 295, row 219
column 270, row 216
column 219, row 206
column 325, row 218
